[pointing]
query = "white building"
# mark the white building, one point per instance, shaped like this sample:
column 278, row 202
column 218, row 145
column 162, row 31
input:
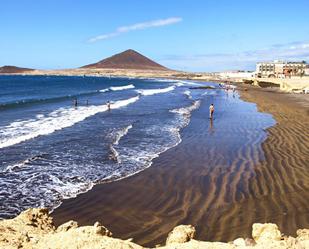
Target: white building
column 236, row 75
column 280, row 69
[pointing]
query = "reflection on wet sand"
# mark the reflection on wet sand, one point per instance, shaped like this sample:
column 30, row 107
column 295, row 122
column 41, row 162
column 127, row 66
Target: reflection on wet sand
column 220, row 182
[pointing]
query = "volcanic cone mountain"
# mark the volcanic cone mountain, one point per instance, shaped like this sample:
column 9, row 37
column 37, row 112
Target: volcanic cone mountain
column 128, row 59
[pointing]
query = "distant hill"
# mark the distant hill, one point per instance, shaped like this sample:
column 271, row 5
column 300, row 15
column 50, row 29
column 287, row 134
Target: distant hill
column 13, row 69
column 128, row 59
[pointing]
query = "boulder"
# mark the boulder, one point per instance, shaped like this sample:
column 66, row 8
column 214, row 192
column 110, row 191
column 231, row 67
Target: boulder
column 67, row 226
column 302, row 234
column 239, row 242
column 303, row 238
column 265, row 232
column 37, row 218
column 180, row 234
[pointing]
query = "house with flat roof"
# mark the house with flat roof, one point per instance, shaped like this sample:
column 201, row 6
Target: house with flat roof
column 280, row 69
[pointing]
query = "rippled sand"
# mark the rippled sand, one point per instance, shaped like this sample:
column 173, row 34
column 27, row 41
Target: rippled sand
column 219, row 179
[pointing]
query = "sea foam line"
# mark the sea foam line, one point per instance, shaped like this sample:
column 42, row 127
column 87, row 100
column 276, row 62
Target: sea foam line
column 21, row 131
column 117, row 88
column 188, row 94
column 185, row 112
column 118, row 135
column 147, row 92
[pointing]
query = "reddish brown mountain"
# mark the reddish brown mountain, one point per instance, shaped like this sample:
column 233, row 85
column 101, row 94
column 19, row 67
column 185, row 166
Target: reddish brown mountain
column 128, row 59
column 12, row 69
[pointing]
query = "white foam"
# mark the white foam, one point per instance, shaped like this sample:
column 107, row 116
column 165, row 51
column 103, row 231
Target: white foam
column 104, row 90
column 187, row 110
column 40, row 116
column 209, row 93
column 114, row 154
column 188, row 94
column 179, row 84
column 120, row 88
column 141, row 157
column 23, row 163
column 190, row 83
column 68, row 189
column 148, row 92
column 21, row 131
column 119, row 134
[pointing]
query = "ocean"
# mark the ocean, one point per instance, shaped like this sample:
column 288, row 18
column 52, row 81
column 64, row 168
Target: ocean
column 52, row 150
column 58, row 137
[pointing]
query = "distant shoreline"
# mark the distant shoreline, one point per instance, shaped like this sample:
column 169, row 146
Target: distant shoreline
column 285, row 85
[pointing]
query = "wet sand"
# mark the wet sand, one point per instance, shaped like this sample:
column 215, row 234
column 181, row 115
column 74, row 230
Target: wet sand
column 220, row 182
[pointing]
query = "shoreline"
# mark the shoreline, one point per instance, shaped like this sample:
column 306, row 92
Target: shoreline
column 289, row 113
column 287, row 85
column 150, row 225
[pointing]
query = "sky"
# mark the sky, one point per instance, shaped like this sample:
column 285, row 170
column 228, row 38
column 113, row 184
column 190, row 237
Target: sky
column 190, row 35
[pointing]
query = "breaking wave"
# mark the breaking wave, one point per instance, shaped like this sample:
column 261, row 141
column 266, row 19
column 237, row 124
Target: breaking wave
column 185, row 112
column 120, row 88
column 117, row 88
column 20, row 131
column 188, row 94
column 114, row 155
column 148, row 92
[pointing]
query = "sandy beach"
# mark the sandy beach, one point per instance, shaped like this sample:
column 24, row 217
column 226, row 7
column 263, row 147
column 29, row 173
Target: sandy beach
column 154, row 124
column 205, row 183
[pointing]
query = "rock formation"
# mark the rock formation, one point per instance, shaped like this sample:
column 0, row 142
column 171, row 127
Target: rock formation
column 13, row 70
column 128, row 59
column 34, row 229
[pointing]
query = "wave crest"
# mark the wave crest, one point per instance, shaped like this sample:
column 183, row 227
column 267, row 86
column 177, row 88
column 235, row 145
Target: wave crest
column 114, row 155
column 120, row 88
column 147, row 92
column 185, row 112
column 21, row 131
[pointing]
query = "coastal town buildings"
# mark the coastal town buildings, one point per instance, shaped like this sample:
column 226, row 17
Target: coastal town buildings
column 280, row 69
column 237, row 74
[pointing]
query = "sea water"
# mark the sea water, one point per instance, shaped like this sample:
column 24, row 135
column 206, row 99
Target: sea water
column 58, row 137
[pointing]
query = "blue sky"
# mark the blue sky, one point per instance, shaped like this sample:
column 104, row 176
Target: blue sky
column 192, row 35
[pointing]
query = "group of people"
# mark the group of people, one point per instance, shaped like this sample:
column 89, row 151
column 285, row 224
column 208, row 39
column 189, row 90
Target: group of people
column 211, row 107
column 108, row 104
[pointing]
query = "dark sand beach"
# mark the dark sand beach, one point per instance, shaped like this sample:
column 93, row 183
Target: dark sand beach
column 220, row 179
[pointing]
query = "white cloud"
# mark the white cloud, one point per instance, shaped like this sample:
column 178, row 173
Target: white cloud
column 295, row 51
column 137, row 26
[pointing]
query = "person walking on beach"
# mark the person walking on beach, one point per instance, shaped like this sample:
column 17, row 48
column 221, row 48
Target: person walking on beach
column 211, row 111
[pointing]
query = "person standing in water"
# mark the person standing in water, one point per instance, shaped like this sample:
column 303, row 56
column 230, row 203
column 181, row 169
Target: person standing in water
column 211, row 111
column 108, row 105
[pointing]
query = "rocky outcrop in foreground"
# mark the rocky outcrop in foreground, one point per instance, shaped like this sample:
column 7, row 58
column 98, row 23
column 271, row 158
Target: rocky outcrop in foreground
column 34, row 229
